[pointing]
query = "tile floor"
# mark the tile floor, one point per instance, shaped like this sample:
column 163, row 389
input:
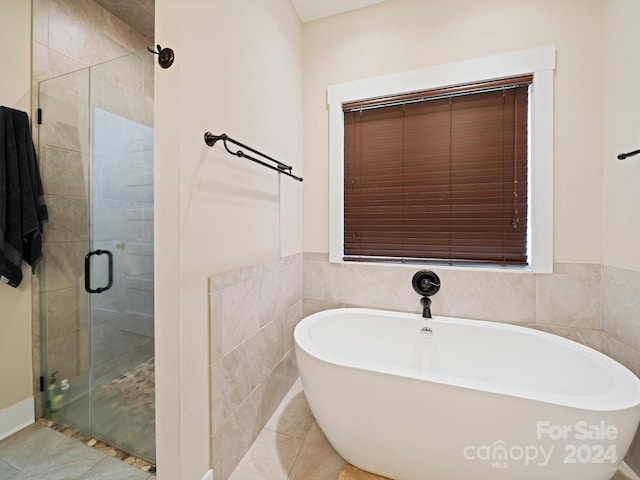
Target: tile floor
column 291, row 446
column 40, row 453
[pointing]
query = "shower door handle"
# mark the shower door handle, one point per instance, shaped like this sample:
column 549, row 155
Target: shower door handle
column 87, row 271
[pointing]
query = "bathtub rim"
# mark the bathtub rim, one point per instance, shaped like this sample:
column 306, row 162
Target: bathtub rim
column 585, row 402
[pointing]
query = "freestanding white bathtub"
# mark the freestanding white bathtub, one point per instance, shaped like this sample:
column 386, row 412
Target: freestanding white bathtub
column 475, row 400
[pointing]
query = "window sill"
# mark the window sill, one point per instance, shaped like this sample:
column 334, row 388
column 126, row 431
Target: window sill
column 440, row 266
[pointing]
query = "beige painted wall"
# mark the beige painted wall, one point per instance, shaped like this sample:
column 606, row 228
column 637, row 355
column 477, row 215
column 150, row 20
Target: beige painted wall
column 238, row 71
column 621, row 191
column 621, row 123
column 401, row 35
column 15, row 304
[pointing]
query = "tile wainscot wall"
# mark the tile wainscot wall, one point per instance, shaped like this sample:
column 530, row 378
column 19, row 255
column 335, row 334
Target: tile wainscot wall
column 253, row 313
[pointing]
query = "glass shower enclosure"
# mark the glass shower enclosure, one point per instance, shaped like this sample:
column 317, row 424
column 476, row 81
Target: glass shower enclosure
column 95, row 144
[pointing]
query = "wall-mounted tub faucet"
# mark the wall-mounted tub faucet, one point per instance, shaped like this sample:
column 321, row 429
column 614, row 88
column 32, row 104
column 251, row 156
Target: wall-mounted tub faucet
column 426, row 307
column 426, row 283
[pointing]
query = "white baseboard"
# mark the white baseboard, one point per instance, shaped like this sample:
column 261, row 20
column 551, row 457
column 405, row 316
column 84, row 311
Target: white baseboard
column 16, row 417
column 626, row 469
column 208, row 475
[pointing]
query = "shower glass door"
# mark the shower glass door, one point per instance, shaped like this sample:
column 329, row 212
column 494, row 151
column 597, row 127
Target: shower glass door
column 121, row 206
column 103, row 242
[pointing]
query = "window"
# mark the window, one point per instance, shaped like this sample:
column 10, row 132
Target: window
column 538, row 215
column 439, row 175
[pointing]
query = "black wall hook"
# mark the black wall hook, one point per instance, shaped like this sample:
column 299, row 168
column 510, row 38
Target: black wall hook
column 165, row 56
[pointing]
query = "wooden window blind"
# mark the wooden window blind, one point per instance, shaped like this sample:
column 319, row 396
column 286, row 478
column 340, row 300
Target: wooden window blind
column 438, row 176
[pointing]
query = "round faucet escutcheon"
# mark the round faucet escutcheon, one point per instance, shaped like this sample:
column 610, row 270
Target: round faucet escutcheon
column 426, row 283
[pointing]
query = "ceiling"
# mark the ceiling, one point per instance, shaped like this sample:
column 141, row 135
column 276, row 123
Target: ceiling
column 309, row 10
column 139, row 14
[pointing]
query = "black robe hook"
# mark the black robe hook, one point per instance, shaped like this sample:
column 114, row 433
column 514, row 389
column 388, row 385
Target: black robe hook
column 165, row 56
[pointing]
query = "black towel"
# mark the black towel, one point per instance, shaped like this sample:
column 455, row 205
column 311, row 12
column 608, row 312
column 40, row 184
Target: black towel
column 22, row 207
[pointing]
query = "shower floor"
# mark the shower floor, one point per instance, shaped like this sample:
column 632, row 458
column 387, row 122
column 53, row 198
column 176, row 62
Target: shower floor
column 123, row 412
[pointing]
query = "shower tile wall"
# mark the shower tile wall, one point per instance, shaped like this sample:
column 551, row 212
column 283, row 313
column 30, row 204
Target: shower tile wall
column 253, row 314
column 594, row 304
column 123, row 222
column 69, row 35
column 63, row 139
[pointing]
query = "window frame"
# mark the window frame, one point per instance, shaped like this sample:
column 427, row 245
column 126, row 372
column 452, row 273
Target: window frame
column 539, row 62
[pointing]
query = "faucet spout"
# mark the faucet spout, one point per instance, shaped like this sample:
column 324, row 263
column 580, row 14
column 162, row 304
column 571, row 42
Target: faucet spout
column 426, row 307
